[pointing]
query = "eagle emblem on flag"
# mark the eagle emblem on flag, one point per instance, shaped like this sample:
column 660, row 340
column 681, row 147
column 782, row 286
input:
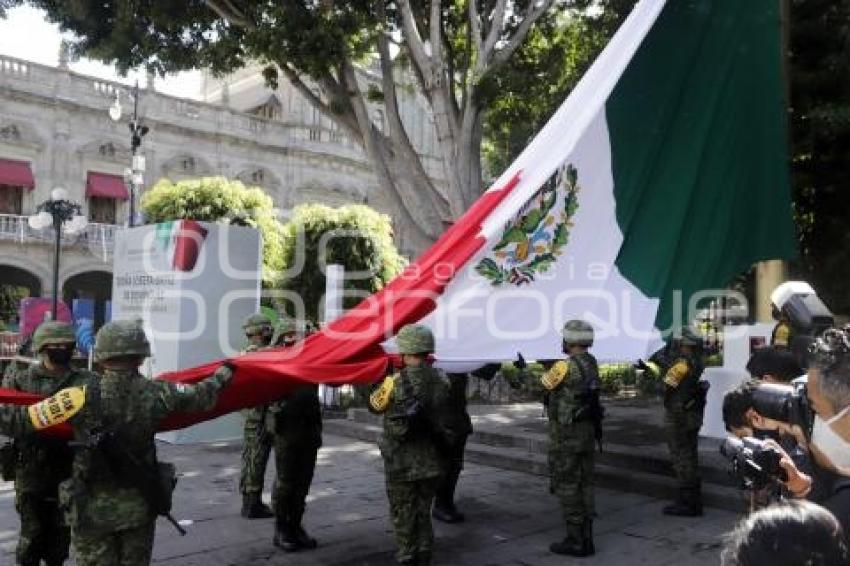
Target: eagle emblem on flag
column 535, row 237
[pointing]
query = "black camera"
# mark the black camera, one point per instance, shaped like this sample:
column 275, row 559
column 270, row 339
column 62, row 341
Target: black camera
column 786, row 403
column 754, row 463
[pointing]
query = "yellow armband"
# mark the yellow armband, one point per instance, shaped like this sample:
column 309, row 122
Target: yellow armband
column 556, row 374
column 676, row 374
column 58, row 408
column 379, row 400
column 782, row 335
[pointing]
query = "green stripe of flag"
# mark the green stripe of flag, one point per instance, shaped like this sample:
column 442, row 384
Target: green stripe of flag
column 698, row 138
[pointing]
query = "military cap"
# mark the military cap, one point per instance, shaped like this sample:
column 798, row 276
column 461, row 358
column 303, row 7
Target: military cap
column 53, row 332
column 415, row 339
column 578, row 332
column 121, row 338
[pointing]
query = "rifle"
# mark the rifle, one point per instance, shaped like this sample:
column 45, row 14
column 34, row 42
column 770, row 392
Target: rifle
column 147, row 479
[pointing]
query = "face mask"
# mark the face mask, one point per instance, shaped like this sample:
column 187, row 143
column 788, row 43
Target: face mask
column 830, row 445
column 59, row 356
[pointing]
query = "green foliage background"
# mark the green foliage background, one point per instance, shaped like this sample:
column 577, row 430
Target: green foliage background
column 360, row 239
column 819, row 75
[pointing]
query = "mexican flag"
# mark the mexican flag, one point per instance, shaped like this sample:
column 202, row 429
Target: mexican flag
column 662, row 176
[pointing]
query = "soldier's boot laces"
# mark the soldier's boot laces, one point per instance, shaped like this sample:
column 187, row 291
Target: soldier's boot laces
column 447, row 512
column 578, row 542
column 254, row 508
column 285, row 538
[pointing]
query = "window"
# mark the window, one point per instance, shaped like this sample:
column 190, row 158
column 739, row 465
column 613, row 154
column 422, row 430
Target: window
column 11, row 199
column 102, row 210
column 269, row 111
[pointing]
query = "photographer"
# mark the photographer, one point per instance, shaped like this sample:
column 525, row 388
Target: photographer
column 743, row 419
column 829, row 395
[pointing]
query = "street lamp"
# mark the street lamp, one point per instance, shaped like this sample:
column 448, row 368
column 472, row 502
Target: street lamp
column 134, row 176
column 63, row 215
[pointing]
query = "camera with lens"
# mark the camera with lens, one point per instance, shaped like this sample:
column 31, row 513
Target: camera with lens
column 754, row 463
column 786, row 403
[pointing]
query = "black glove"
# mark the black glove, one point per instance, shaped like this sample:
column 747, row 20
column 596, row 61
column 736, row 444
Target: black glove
column 640, row 365
column 519, row 363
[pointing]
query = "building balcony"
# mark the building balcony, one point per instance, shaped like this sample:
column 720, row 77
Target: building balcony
column 97, row 238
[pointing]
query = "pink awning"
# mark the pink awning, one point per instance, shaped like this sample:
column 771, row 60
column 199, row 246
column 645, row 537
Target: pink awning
column 106, row 186
column 16, row 173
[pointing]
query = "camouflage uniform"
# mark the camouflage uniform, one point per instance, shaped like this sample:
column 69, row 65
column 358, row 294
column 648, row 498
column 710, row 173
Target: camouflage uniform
column 257, row 442
column 111, row 521
column 43, row 462
column 414, row 436
column 572, row 385
column 684, row 403
column 571, row 443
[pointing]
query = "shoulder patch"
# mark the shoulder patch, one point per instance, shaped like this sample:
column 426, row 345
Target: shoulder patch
column 379, row 400
column 556, row 374
column 781, row 335
column 677, row 373
column 57, row 409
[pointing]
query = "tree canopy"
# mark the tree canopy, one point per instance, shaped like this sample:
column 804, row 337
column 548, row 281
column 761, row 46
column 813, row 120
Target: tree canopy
column 522, row 96
column 354, row 236
column 445, row 49
column 820, row 143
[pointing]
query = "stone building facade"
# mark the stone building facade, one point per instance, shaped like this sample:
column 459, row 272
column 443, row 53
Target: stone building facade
column 55, row 124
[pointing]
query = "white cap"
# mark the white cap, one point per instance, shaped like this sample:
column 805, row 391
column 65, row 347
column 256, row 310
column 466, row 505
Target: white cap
column 781, row 294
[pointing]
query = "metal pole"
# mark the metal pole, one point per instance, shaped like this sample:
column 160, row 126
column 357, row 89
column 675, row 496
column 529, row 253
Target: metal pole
column 134, row 147
column 132, row 220
column 57, row 226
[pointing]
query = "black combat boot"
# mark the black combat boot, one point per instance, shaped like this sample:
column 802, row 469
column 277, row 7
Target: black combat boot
column 304, row 540
column 254, row 508
column 444, row 509
column 688, row 504
column 446, row 512
column 587, row 536
column 574, row 544
column 284, row 536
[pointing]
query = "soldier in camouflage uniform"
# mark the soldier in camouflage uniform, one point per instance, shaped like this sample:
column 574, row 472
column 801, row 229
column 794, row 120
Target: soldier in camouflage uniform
column 112, row 520
column 458, row 421
column 684, row 402
column 573, row 388
column 43, row 462
column 257, row 444
column 295, row 424
column 414, row 438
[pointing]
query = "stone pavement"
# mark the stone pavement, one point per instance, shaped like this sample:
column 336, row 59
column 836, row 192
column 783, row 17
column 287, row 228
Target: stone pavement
column 511, row 518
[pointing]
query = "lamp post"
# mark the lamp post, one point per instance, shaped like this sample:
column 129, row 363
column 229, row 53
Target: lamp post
column 62, row 214
column 134, row 176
